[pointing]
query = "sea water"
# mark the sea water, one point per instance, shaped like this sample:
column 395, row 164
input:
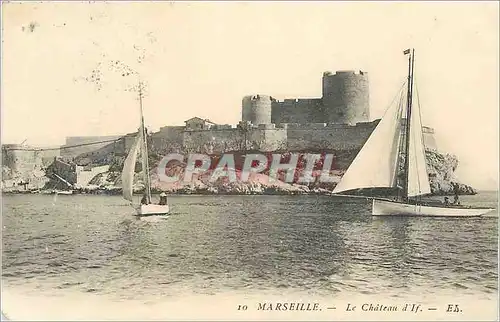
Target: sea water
column 220, row 257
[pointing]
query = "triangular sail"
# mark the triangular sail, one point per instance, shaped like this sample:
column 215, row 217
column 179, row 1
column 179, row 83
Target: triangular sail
column 145, row 167
column 418, row 179
column 376, row 163
column 144, row 152
column 129, row 168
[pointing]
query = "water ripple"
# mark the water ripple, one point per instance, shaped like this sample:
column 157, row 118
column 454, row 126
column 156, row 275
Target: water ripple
column 216, row 243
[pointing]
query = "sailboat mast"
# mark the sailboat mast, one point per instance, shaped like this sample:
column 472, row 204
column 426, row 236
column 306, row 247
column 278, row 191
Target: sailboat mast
column 411, row 60
column 145, row 161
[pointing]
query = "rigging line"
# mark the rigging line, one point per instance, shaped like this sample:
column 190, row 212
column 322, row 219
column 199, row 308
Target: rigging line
column 416, row 162
column 399, row 115
column 397, row 111
column 419, row 112
column 419, row 187
column 398, row 93
column 401, row 111
column 421, row 125
column 63, row 147
column 401, row 139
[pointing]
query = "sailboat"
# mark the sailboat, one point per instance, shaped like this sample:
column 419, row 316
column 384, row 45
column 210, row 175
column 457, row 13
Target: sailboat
column 145, row 208
column 396, row 147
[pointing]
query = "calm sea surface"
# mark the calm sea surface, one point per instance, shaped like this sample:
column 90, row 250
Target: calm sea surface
column 92, row 247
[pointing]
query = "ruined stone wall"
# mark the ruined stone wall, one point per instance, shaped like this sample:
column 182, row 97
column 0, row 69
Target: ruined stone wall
column 65, row 170
column 300, row 111
column 346, row 97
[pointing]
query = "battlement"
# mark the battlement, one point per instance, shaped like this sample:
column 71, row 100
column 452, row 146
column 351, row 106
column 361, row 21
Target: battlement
column 256, row 109
column 328, row 125
column 297, row 100
column 17, row 147
column 256, row 97
column 344, row 72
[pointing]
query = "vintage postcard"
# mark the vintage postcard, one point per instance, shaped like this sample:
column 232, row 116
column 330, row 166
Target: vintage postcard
column 250, row 161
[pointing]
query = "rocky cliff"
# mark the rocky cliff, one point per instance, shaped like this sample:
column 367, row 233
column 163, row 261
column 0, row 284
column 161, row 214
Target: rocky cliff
column 440, row 168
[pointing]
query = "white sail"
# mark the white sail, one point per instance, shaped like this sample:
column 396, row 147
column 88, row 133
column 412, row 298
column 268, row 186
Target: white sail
column 144, row 154
column 129, row 168
column 376, row 163
column 418, row 179
column 145, row 165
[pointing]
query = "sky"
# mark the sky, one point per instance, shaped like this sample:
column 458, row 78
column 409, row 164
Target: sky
column 63, row 65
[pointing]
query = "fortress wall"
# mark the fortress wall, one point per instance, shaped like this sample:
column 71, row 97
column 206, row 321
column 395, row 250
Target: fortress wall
column 297, row 111
column 168, row 139
column 336, row 137
column 49, row 155
column 214, row 141
column 309, row 126
column 101, row 155
column 169, row 133
column 339, row 136
column 266, row 138
column 158, row 143
column 72, row 152
column 75, row 140
column 273, row 140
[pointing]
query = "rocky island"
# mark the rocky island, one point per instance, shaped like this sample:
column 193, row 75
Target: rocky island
column 337, row 123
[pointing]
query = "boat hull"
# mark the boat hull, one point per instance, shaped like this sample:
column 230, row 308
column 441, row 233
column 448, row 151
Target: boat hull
column 63, row 192
column 153, row 210
column 391, row 208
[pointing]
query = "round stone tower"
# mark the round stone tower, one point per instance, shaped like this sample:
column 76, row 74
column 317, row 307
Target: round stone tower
column 20, row 159
column 346, row 97
column 256, row 109
column 13, row 156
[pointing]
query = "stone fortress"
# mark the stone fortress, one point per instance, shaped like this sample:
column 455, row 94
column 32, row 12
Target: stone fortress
column 338, row 121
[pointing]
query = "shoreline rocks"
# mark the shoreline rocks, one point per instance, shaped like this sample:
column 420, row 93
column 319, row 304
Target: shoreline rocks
column 440, row 169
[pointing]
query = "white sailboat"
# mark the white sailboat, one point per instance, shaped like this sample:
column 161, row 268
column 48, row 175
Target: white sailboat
column 395, row 144
column 145, row 208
